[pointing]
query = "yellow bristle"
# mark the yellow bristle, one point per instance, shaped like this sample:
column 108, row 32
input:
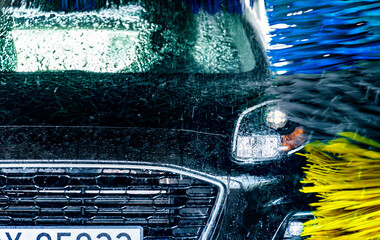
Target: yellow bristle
column 345, row 174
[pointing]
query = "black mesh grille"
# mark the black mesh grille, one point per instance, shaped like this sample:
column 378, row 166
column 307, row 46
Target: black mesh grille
column 167, row 205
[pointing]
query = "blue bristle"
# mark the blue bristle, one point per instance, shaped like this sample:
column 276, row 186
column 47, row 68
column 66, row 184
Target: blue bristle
column 210, row 6
column 193, row 5
column 230, row 7
column 326, row 36
column 64, row 5
column 76, row 5
column 215, row 6
column 79, row 5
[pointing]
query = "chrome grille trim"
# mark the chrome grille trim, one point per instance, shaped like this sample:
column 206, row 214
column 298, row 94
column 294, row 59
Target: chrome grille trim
column 217, row 209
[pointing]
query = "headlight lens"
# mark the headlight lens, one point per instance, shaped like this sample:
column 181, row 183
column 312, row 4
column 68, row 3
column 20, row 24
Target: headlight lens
column 293, row 230
column 258, row 146
column 264, row 133
column 291, row 227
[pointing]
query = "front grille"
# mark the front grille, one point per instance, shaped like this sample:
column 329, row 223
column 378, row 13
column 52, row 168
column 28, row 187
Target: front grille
column 167, row 203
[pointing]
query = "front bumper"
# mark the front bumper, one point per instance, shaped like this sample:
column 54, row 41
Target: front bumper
column 248, row 196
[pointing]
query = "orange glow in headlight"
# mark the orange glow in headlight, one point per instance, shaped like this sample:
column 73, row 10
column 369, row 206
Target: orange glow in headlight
column 295, row 139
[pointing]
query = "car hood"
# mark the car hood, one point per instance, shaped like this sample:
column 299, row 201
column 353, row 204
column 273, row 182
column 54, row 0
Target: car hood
column 194, row 150
column 200, row 102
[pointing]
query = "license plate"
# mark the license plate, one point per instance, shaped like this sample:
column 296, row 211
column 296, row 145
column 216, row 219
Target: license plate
column 71, row 233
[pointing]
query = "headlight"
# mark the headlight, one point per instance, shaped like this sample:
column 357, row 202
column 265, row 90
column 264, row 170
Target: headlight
column 257, row 146
column 264, row 133
column 291, row 227
column 275, row 118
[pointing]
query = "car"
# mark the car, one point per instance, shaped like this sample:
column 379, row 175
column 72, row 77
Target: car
column 143, row 120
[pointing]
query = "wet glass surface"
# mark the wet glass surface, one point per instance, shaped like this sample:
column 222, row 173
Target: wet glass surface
column 129, row 38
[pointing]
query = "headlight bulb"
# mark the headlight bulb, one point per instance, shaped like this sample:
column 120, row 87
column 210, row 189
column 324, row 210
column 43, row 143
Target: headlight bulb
column 275, row 118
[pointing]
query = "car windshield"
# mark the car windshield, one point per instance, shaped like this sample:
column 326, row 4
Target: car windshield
column 129, row 38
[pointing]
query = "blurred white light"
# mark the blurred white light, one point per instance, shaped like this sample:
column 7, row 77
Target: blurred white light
column 276, row 119
column 279, row 46
column 281, row 64
column 281, row 72
column 280, row 26
column 294, row 229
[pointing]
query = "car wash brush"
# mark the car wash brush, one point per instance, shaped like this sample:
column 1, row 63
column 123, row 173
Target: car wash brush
column 345, row 175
